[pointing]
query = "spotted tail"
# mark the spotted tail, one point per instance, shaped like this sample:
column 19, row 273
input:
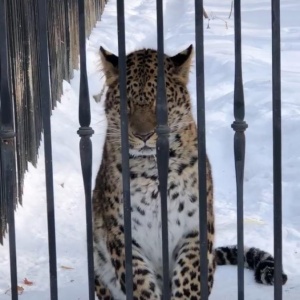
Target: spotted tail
column 261, row 262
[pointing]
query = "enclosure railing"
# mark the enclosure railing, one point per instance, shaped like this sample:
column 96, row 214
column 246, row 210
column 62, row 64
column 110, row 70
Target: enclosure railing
column 41, row 94
column 239, row 126
column 39, row 47
column 277, row 164
column 20, row 56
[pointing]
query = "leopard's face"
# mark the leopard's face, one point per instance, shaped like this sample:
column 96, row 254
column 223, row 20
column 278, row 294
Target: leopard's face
column 141, row 98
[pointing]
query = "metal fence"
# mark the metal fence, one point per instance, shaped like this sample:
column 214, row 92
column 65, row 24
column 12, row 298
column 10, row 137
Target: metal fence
column 39, row 49
column 41, row 92
column 21, row 72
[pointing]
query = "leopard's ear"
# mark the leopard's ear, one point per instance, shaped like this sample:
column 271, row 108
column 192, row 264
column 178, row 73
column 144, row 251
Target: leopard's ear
column 182, row 62
column 110, row 65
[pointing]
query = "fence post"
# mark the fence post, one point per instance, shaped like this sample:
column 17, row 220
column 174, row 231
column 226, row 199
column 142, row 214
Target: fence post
column 239, row 126
column 125, row 150
column 7, row 147
column 46, row 104
column 201, row 133
column 162, row 147
column 277, row 173
column 85, row 132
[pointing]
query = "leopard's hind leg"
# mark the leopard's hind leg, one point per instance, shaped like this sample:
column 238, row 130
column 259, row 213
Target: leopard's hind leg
column 186, row 273
column 102, row 291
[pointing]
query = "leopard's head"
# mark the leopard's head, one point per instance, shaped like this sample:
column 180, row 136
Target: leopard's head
column 141, row 86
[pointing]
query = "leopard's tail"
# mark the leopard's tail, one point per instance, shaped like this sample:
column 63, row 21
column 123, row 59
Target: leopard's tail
column 261, row 262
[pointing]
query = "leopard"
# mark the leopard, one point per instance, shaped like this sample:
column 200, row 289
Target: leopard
column 182, row 188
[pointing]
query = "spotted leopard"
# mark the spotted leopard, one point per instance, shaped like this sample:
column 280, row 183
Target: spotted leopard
column 183, row 218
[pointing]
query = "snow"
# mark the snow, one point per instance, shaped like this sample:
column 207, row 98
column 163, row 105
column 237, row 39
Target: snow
column 31, row 218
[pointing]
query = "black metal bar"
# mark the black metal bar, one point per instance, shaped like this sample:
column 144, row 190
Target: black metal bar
column 3, row 204
column 162, row 147
column 200, row 90
column 3, row 225
column 277, row 163
column 46, row 112
column 239, row 126
column 85, row 132
column 7, row 146
column 125, row 147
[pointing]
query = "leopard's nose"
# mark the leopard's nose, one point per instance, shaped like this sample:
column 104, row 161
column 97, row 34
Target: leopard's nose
column 144, row 136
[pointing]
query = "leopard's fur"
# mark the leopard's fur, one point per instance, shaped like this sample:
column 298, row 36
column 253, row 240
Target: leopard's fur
column 183, row 217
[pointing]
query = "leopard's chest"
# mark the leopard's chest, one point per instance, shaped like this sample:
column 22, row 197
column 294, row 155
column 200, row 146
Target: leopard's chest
column 146, row 213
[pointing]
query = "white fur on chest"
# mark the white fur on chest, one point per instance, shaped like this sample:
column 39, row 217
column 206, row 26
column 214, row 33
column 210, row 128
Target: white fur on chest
column 146, row 217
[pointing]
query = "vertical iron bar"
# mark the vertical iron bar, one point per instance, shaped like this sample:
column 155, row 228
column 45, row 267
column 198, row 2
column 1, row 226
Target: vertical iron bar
column 46, row 112
column 276, row 89
column 125, row 149
column 7, row 147
column 85, row 132
column 3, row 225
column 239, row 126
column 162, row 147
column 200, row 90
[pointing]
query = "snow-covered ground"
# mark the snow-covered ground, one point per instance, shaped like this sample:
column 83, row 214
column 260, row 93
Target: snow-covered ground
column 31, row 225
